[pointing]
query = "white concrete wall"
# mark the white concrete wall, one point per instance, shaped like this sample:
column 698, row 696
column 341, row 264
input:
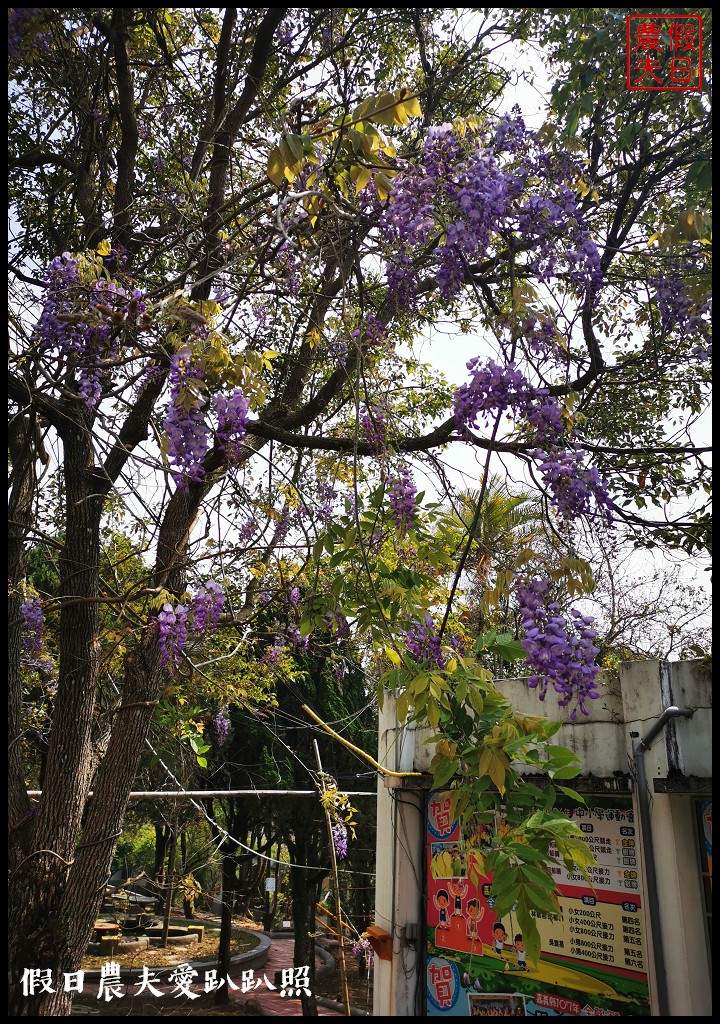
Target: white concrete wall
column 400, row 847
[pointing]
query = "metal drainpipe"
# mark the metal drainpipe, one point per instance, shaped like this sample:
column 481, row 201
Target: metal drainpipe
column 649, row 852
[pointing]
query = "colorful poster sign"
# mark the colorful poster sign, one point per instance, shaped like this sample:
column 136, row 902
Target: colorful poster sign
column 592, row 961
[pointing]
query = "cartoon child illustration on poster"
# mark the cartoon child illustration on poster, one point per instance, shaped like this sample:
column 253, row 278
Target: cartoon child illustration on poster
column 475, row 914
column 458, row 890
column 442, row 901
column 498, row 939
column 521, row 955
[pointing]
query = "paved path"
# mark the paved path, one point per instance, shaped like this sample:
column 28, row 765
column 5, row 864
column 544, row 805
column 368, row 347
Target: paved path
column 272, row 1003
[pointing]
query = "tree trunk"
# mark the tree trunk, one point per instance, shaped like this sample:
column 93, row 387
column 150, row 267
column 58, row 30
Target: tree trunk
column 305, row 885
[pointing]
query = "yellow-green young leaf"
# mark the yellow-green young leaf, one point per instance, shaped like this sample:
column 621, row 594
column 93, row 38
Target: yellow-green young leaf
column 476, row 701
column 363, row 176
column 577, row 856
column 361, row 143
column 412, row 106
column 433, row 713
column 276, row 166
column 444, row 772
column 104, row 248
column 403, row 704
column 494, row 762
column 384, row 109
column 383, row 185
column 451, row 666
column 392, row 655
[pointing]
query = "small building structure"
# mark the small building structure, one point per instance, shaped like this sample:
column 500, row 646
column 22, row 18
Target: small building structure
column 645, row 745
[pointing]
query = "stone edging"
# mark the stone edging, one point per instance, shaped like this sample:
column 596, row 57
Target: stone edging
column 253, row 958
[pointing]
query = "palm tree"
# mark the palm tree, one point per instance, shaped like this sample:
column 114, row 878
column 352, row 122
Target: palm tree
column 503, row 528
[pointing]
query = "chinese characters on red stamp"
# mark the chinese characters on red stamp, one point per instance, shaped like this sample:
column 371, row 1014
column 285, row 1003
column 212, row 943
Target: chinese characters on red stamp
column 664, row 51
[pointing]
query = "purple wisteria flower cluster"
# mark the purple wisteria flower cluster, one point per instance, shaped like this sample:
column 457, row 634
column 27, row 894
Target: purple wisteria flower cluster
column 403, row 498
column 25, row 26
column 681, row 316
column 372, row 330
column 32, row 627
column 372, row 422
column 172, row 633
column 33, row 656
column 424, row 643
column 491, row 390
column 206, row 606
column 232, row 414
column 221, row 726
column 175, row 622
column 340, row 839
column 459, row 199
column 188, row 435
column 559, row 652
column 80, row 320
column 362, row 950
column 573, row 486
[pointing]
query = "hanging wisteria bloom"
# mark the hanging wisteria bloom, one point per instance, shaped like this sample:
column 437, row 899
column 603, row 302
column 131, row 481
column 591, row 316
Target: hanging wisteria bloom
column 575, row 488
column 188, row 436
column 33, row 656
column 221, row 726
column 32, row 627
column 172, row 633
column 82, row 313
column 340, row 839
column 423, row 642
column 402, row 498
column 206, row 607
column 232, row 413
column 559, row 652
column 362, row 950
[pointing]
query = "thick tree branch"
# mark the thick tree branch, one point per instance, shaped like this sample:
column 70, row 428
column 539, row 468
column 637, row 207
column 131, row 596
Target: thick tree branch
column 127, row 152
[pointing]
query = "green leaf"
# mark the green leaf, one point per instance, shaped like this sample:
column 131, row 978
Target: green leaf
column 445, row 772
column 572, row 794
column 530, row 933
column 540, row 899
column 296, row 146
column 699, row 175
column 525, row 852
column 505, row 880
column 538, row 877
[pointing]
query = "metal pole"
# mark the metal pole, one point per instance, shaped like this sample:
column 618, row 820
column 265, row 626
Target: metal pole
column 195, row 794
column 653, row 899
